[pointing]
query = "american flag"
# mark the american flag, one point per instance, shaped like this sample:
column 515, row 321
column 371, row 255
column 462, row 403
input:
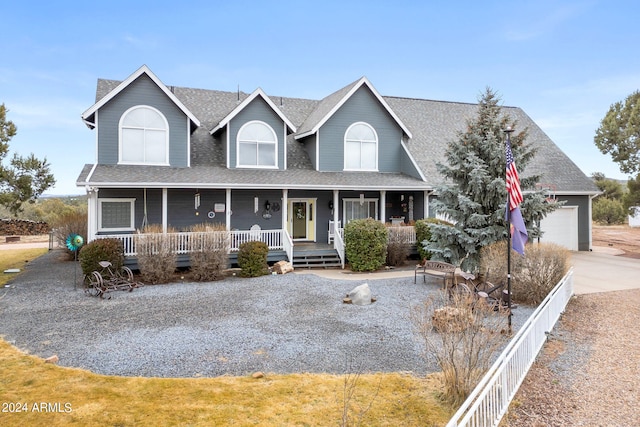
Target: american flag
column 513, row 181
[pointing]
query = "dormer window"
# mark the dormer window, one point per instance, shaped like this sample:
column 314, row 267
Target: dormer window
column 257, row 145
column 144, row 137
column 361, row 148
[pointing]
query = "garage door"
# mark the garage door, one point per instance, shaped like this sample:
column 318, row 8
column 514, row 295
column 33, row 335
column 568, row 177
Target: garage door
column 561, row 227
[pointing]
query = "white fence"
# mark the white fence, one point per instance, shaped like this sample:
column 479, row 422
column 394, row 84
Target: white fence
column 489, row 401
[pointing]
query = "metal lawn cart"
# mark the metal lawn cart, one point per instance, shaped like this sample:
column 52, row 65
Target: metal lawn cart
column 107, row 279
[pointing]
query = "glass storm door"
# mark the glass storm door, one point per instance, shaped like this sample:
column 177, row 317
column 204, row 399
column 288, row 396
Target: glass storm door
column 299, row 220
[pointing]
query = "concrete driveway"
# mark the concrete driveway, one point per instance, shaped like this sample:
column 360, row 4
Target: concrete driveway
column 602, row 271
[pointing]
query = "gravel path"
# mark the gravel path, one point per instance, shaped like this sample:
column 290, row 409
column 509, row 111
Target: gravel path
column 588, row 373
column 280, row 324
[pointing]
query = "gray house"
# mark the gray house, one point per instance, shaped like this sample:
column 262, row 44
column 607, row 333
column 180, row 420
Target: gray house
column 287, row 171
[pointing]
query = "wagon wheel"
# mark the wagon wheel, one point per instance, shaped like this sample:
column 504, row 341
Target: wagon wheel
column 128, row 274
column 460, row 290
column 93, row 283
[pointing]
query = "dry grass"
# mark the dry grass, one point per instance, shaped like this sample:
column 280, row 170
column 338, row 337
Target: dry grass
column 84, row 398
column 17, row 258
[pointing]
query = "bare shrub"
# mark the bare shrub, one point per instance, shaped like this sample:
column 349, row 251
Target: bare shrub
column 355, row 406
column 463, row 345
column 397, row 248
column 69, row 223
column 538, row 272
column 533, row 275
column 210, row 252
column 156, row 255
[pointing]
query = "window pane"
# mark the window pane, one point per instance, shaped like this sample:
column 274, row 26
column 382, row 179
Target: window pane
column 247, row 154
column 132, row 145
column 135, row 118
column 266, row 155
column 153, row 119
column 352, row 155
column 368, row 155
column 116, row 215
column 156, row 147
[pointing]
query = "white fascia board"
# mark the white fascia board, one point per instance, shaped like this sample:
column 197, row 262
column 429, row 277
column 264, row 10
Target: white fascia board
column 348, row 95
column 142, row 70
column 261, row 186
column 413, row 161
column 247, row 101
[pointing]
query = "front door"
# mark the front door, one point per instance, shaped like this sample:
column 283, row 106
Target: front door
column 301, row 224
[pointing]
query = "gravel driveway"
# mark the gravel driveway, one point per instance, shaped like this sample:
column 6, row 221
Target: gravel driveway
column 280, row 324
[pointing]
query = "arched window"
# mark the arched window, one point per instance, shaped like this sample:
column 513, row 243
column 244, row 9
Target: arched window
column 360, row 147
column 144, row 137
column 257, row 145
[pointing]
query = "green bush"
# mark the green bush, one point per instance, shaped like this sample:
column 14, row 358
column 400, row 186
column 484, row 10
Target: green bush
column 252, row 259
column 423, row 232
column 101, row 250
column 608, row 212
column 365, row 244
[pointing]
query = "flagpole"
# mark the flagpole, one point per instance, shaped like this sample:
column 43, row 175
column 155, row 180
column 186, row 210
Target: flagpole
column 508, row 131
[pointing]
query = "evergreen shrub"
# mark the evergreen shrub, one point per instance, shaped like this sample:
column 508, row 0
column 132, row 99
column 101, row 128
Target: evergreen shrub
column 252, row 259
column 365, row 244
column 101, row 250
column 423, row 233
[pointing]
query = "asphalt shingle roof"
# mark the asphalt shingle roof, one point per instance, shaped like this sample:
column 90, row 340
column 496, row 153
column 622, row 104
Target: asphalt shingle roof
column 433, row 125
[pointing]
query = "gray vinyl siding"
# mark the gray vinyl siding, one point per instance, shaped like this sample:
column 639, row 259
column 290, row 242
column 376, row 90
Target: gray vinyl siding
column 584, row 220
column 407, row 166
column 362, row 106
column 181, row 211
column 142, row 91
column 258, row 109
column 242, row 208
column 309, row 145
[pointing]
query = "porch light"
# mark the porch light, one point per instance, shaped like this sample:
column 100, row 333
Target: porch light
column 267, row 206
column 331, row 205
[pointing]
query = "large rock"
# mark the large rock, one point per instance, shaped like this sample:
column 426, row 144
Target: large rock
column 282, row 267
column 360, row 295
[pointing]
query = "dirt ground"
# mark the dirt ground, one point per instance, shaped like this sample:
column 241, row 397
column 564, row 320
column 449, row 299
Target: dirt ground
column 619, row 237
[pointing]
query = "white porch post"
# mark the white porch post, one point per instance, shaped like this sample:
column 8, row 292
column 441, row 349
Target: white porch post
column 285, row 208
column 164, row 210
column 92, row 213
column 426, row 204
column 227, row 209
column 383, row 208
column 336, row 207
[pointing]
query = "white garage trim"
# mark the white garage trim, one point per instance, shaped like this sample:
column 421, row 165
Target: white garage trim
column 561, row 227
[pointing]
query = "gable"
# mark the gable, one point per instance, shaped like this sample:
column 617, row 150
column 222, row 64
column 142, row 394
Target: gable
column 362, row 106
column 141, row 91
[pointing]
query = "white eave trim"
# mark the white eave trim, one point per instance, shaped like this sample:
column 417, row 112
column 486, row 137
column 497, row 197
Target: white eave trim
column 247, row 101
column 344, row 99
column 142, row 70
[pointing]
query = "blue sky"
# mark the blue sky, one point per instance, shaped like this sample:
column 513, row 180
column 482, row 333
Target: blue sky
column 563, row 62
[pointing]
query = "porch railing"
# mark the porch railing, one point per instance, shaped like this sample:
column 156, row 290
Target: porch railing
column 404, row 234
column 489, row 401
column 187, row 242
column 338, row 244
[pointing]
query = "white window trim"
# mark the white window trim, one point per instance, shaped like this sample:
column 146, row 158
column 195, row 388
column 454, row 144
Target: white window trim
column 345, row 148
column 357, row 200
column 275, row 137
column 166, row 144
column 117, row 200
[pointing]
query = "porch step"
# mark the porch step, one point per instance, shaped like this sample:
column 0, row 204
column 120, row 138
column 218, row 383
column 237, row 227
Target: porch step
column 318, row 258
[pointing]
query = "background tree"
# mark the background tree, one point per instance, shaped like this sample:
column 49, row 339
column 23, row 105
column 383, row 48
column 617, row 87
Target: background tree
column 25, row 178
column 619, row 134
column 632, row 197
column 475, row 196
column 611, row 189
